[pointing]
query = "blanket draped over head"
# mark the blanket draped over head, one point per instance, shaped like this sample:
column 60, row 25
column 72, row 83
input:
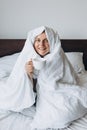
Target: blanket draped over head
column 58, row 95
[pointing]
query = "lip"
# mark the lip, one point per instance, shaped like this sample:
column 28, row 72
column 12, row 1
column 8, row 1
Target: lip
column 42, row 49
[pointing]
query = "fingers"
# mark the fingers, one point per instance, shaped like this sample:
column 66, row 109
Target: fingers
column 29, row 65
column 29, row 68
column 30, row 62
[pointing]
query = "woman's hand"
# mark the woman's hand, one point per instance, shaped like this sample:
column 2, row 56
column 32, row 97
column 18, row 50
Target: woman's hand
column 29, row 68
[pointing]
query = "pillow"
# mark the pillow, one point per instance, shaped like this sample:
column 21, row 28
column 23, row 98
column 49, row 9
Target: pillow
column 85, row 59
column 76, row 60
column 6, row 64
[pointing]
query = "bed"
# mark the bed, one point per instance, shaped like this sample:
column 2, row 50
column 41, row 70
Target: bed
column 10, row 50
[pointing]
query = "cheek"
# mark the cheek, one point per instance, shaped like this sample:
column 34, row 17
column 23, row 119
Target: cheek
column 35, row 46
column 48, row 48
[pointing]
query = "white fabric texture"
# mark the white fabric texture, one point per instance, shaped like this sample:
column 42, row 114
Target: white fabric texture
column 76, row 59
column 6, row 64
column 57, row 92
column 17, row 121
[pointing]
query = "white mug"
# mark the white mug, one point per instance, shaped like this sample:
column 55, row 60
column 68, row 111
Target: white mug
column 38, row 64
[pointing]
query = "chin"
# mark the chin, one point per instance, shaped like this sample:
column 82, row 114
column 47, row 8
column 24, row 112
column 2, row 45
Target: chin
column 42, row 55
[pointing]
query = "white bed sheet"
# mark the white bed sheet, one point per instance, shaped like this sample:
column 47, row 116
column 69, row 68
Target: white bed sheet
column 21, row 121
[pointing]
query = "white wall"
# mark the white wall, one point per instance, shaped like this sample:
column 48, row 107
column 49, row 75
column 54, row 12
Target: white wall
column 68, row 17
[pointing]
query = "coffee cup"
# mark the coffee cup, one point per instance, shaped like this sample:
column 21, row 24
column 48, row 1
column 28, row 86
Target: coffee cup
column 38, row 64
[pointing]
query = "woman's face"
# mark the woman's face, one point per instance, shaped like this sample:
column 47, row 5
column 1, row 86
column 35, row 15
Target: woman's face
column 41, row 44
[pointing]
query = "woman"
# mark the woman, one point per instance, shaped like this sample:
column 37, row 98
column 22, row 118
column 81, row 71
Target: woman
column 58, row 96
column 56, row 74
column 42, row 47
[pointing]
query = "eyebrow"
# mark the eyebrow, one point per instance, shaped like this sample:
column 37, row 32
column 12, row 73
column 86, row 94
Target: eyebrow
column 39, row 38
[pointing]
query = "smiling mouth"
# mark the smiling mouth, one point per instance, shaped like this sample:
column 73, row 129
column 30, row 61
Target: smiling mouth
column 42, row 49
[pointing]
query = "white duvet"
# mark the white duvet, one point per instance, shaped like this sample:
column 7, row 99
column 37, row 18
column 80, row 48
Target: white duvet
column 15, row 121
column 58, row 93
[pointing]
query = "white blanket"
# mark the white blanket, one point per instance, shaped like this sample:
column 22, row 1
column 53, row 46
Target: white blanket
column 57, row 92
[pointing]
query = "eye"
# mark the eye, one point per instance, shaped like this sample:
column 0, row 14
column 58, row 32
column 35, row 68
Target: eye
column 37, row 40
column 45, row 41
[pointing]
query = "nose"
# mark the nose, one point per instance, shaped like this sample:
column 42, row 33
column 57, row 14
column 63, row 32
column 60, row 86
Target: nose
column 41, row 43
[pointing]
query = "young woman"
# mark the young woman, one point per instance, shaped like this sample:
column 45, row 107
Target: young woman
column 58, row 95
column 42, row 47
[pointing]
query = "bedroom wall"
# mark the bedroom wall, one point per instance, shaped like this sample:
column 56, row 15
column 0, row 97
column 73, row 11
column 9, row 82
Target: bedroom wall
column 68, row 17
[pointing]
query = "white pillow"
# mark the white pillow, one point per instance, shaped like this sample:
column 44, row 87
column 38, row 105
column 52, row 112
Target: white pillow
column 6, row 64
column 76, row 59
